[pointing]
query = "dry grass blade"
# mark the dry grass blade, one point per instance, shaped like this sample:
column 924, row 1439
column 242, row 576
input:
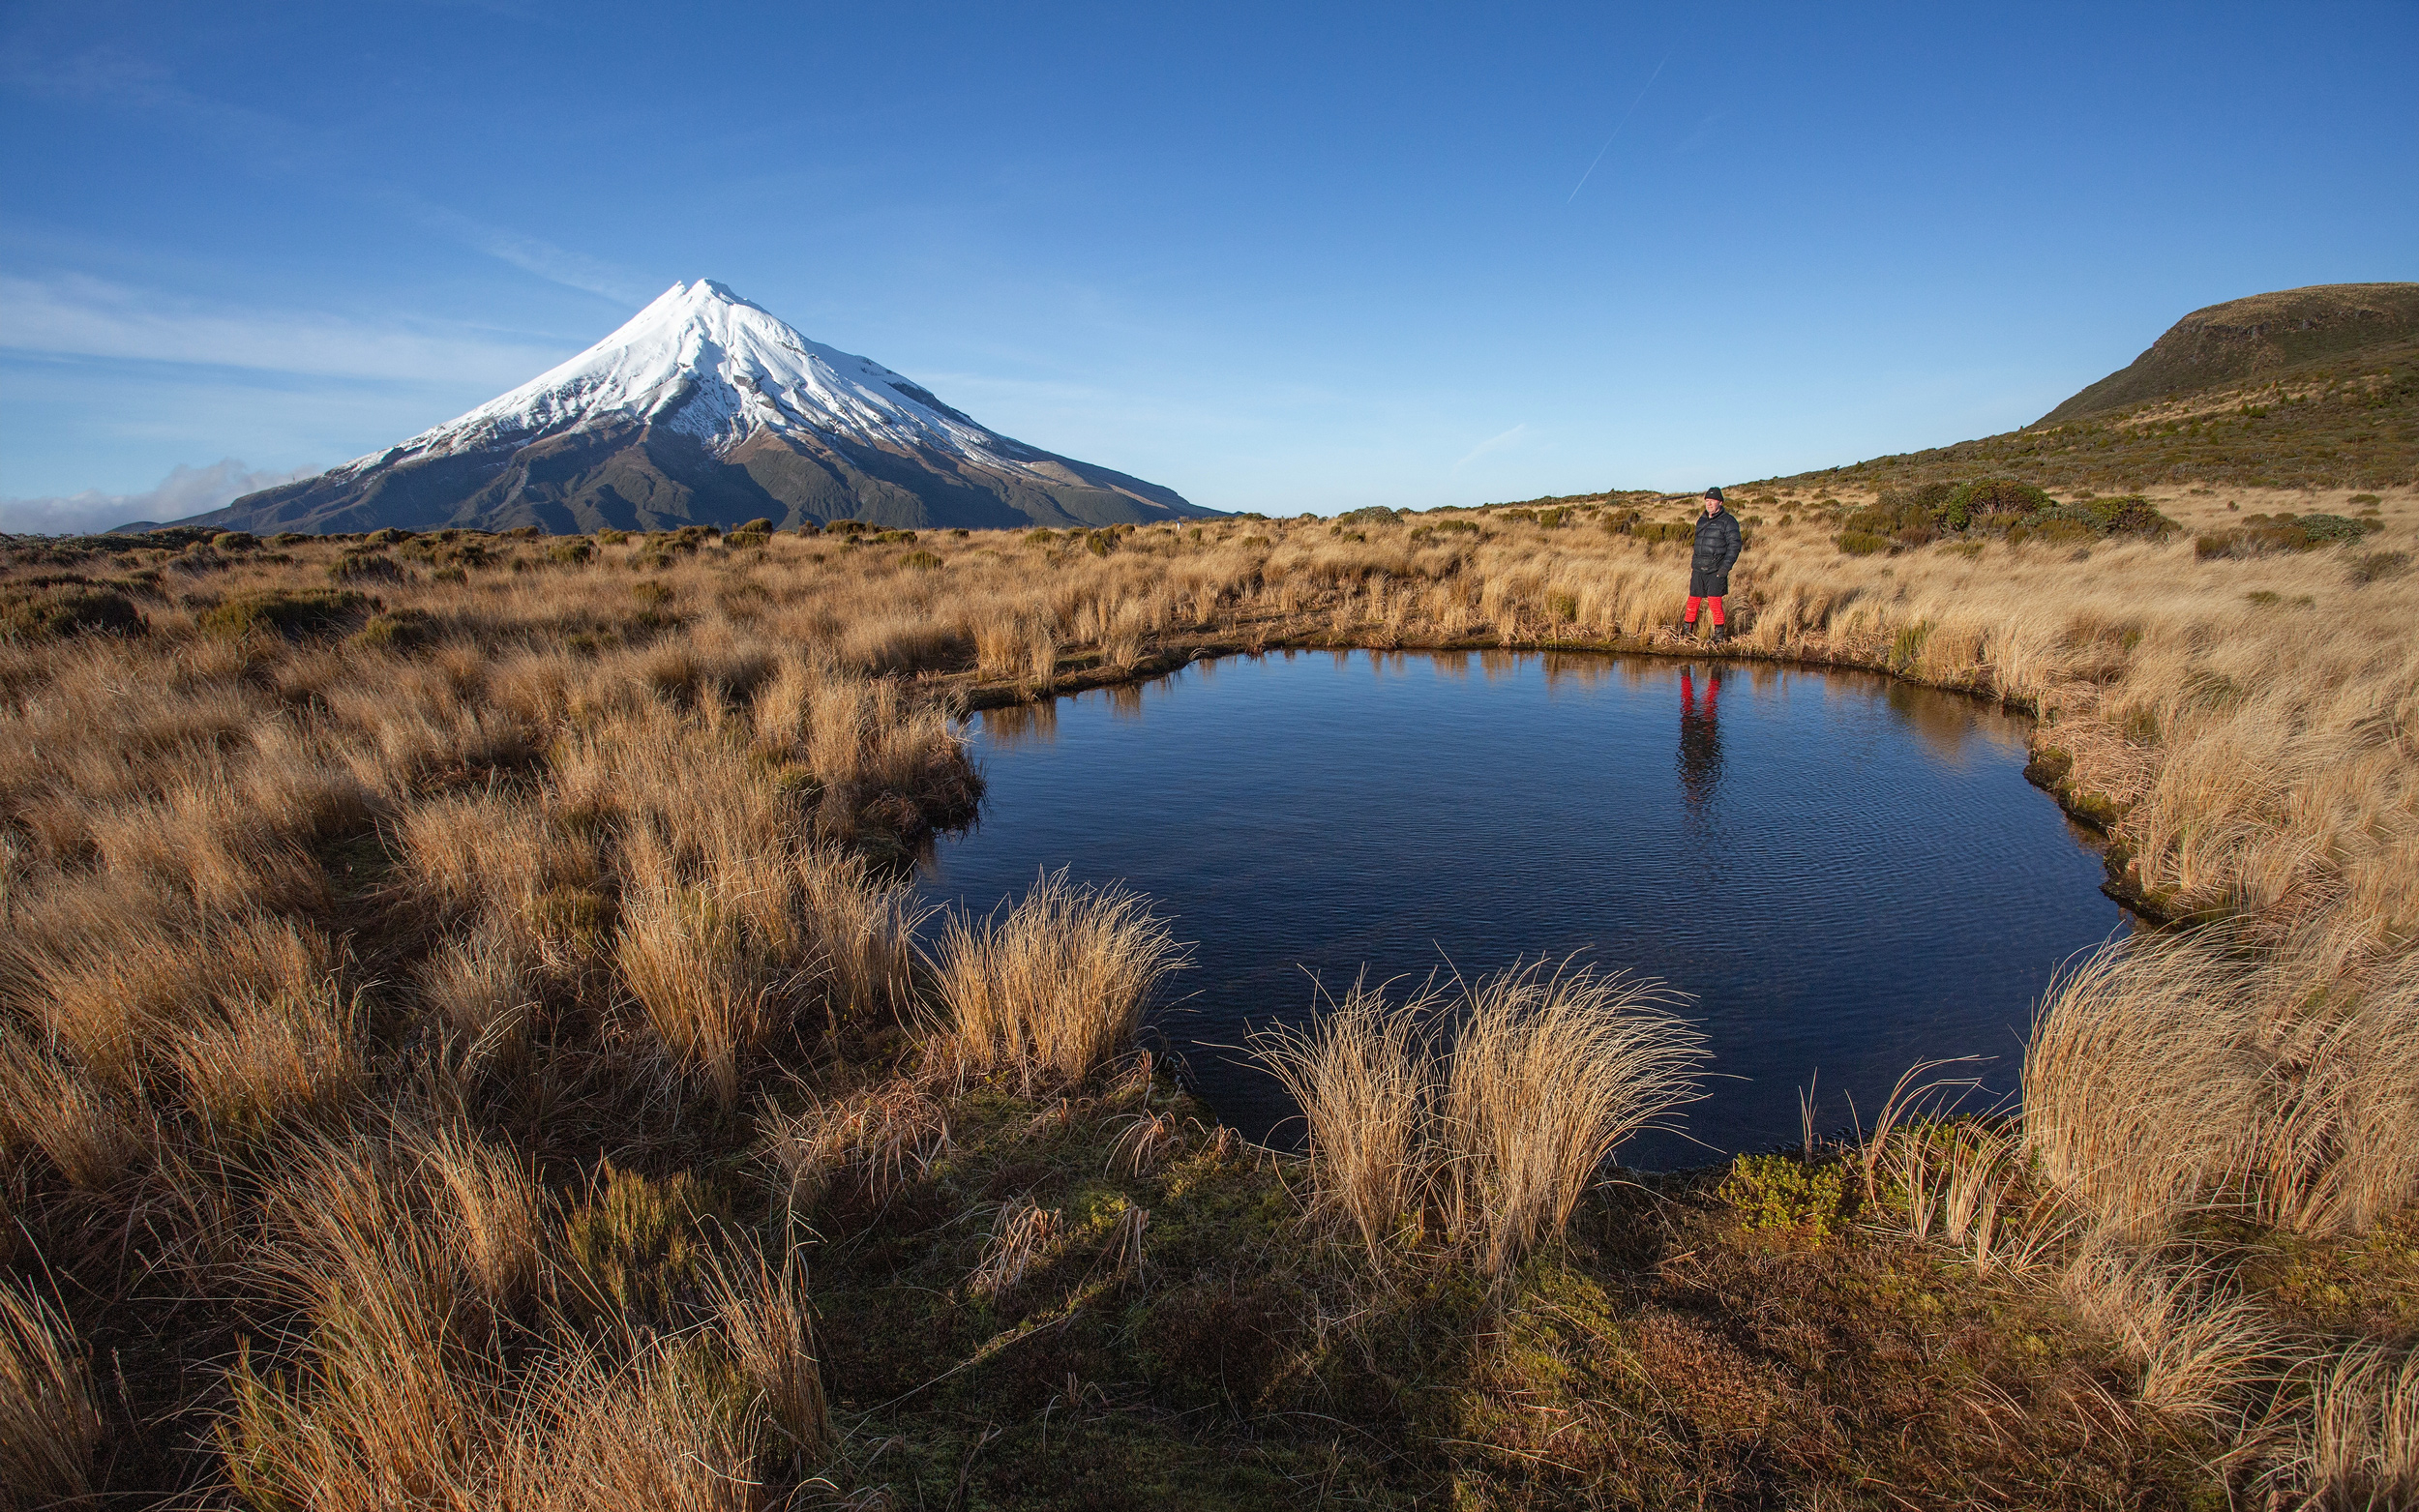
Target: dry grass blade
column 875, row 1139
column 1022, row 1237
column 771, row 1337
column 1361, row 1076
column 2359, row 1447
column 49, row 1429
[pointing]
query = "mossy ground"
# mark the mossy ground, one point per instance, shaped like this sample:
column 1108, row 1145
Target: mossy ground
column 1685, row 1344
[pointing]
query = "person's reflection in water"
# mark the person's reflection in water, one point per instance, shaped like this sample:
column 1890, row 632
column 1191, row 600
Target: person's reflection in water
column 1700, row 741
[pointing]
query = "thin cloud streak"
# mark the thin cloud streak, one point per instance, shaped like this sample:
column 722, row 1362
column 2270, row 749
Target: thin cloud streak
column 1624, row 121
column 81, row 317
column 533, row 254
column 1494, row 443
column 108, row 77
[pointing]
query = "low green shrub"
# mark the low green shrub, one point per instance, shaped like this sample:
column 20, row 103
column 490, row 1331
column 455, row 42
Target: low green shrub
column 234, row 541
column 1366, row 514
column 2260, row 535
column 399, row 629
column 280, row 613
column 68, row 610
column 612, row 537
column 1784, row 1193
column 746, row 539
column 920, row 561
column 759, row 526
column 1862, row 543
column 570, row 552
column 365, row 567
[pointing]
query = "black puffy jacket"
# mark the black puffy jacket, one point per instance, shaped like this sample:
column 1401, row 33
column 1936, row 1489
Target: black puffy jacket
column 1717, row 543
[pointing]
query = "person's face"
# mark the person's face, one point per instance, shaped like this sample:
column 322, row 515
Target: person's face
column 1712, row 505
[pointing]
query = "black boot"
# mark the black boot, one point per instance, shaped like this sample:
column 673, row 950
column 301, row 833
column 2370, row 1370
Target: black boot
column 1686, row 630
column 1721, row 633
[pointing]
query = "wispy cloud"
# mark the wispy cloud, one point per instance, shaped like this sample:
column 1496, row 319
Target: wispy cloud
column 1617, row 125
column 184, row 490
column 76, row 315
column 112, row 78
column 1494, row 443
column 529, row 253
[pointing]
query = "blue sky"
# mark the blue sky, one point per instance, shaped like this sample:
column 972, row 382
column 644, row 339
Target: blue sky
column 1282, row 257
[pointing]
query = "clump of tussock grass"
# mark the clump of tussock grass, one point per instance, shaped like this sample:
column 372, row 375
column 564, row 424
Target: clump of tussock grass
column 1023, row 1237
column 1057, row 984
column 2356, row 1442
column 2198, row 1348
column 262, row 1060
column 1363, row 1079
column 2167, row 1071
column 1496, row 1112
column 91, row 1135
column 874, row 1142
column 770, row 1337
column 50, row 1429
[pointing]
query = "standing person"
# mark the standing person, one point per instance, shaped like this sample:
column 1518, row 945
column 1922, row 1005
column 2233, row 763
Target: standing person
column 1716, row 547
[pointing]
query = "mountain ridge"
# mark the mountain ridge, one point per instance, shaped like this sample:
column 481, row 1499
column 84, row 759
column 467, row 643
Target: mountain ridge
column 2255, row 337
column 2306, row 388
column 705, row 408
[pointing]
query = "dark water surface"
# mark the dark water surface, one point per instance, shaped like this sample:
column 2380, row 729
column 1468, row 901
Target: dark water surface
column 1844, row 874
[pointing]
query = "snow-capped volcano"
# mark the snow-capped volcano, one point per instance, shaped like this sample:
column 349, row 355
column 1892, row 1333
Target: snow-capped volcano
column 706, row 408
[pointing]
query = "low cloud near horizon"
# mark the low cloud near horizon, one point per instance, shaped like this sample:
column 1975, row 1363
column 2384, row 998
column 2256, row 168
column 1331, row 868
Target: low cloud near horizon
column 185, row 490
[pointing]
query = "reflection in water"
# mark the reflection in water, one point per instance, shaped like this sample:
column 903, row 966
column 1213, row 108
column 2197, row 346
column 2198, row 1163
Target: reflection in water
column 1126, row 700
column 1015, row 725
column 1305, row 816
column 1700, row 741
column 1942, row 726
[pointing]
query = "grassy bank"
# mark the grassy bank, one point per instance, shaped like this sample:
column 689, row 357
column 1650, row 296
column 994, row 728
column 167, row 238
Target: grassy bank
column 467, row 1044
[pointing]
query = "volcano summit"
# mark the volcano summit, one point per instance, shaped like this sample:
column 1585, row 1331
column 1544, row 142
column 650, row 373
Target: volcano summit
column 707, row 409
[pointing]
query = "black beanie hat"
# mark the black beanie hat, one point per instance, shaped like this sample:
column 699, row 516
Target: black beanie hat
column 1715, row 494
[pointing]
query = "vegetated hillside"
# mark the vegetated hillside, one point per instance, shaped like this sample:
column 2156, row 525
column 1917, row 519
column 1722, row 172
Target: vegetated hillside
column 2339, row 419
column 706, row 409
column 2255, row 339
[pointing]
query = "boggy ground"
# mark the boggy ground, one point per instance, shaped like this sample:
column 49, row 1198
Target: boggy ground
column 465, row 1045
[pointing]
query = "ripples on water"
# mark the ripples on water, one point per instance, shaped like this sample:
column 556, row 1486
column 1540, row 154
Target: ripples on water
column 1843, row 873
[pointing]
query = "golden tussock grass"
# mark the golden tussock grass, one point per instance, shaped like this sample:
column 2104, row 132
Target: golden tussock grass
column 337, row 972
column 1496, row 1112
column 1057, row 985
column 49, row 1430
column 2358, row 1447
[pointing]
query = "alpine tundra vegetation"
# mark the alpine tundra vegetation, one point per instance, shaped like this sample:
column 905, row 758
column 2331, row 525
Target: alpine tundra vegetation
column 467, row 1040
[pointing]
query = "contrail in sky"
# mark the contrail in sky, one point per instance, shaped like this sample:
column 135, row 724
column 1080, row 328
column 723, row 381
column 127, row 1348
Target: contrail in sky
column 1624, row 121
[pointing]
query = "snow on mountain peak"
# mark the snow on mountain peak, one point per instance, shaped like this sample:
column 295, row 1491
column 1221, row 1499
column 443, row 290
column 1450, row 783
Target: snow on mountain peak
column 702, row 361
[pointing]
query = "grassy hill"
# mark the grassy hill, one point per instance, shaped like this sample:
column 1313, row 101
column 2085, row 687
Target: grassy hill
column 2248, row 340
column 2315, row 388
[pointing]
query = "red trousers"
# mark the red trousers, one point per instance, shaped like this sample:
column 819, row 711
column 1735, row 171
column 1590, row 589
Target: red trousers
column 1715, row 602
